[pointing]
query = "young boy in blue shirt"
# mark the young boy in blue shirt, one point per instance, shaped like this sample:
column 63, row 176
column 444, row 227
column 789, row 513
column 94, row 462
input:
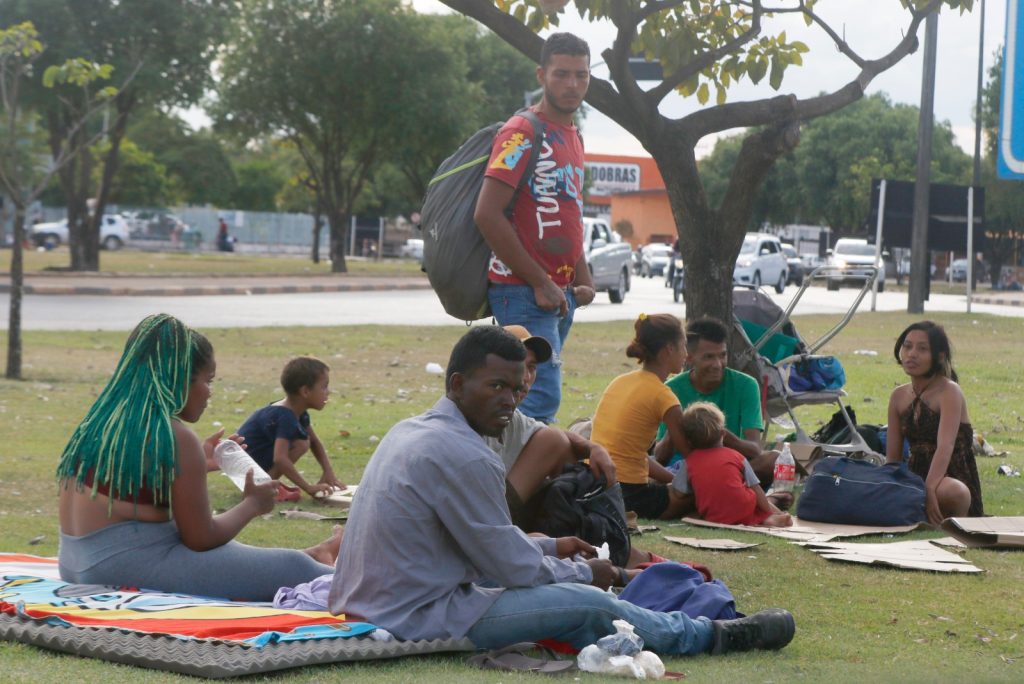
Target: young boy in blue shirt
column 277, row 435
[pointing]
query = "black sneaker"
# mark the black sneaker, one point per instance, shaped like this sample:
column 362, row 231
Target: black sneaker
column 767, row 629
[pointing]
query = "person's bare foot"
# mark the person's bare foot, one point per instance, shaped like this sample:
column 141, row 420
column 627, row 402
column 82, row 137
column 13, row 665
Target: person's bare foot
column 326, row 552
column 778, row 520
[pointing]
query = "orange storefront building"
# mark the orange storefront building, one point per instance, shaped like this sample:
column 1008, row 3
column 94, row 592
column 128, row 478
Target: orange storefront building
column 631, row 191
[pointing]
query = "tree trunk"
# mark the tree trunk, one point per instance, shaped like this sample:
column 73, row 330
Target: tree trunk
column 91, row 248
column 707, row 245
column 76, row 183
column 318, row 226
column 710, row 239
column 17, row 287
column 338, row 222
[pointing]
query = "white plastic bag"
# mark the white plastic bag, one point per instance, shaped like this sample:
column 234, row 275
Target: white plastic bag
column 620, row 654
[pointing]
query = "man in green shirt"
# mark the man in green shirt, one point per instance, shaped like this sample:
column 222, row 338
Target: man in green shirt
column 736, row 394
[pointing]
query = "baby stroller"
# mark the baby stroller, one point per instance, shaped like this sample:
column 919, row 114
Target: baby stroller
column 772, row 346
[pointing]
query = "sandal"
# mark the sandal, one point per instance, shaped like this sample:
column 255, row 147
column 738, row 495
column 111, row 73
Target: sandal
column 286, row 494
column 514, row 659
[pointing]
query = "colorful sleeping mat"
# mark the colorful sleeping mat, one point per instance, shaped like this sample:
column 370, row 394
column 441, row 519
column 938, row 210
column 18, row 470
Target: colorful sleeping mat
column 180, row 633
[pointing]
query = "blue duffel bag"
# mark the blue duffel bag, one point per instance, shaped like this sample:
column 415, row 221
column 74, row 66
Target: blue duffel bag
column 850, row 492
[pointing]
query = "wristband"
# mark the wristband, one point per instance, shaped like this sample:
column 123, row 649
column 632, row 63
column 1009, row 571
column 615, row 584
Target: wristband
column 623, row 578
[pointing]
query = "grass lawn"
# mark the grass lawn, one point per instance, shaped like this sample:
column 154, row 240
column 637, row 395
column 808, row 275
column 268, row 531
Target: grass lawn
column 854, row 623
column 137, row 262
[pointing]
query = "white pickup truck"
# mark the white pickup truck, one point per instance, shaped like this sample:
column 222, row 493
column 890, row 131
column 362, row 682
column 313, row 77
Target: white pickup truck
column 608, row 257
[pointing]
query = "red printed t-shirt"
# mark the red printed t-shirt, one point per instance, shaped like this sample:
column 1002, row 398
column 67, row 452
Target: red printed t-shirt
column 722, row 495
column 548, row 210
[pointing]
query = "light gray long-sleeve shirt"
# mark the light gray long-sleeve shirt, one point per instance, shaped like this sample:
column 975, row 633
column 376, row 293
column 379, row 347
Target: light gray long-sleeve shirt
column 428, row 523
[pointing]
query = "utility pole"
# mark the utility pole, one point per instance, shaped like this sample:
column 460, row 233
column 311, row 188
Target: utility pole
column 920, row 272
column 972, row 275
column 976, row 179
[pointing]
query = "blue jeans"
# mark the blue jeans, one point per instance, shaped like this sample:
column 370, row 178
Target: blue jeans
column 515, row 305
column 580, row 614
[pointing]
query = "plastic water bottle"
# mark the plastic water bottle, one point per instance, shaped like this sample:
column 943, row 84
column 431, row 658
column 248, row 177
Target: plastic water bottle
column 235, row 463
column 785, row 471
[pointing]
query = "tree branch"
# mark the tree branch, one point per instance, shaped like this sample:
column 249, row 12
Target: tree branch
column 654, row 6
column 761, row 112
column 656, row 94
column 757, row 155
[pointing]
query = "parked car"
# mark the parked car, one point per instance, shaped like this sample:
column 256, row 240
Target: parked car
column 795, row 264
column 903, row 268
column 154, row 225
column 412, row 249
column 654, row 259
column 856, row 258
column 113, row 232
column 761, row 260
column 958, row 271
column 608, row 257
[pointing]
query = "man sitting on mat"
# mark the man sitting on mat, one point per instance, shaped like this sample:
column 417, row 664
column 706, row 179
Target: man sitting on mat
column 430, row 551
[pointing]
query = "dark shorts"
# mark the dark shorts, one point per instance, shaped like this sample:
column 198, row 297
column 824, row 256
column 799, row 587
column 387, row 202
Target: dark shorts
column 647, row 500
column 523, row 513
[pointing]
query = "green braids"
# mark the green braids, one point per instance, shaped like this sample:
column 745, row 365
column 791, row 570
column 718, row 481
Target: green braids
column 127, row 437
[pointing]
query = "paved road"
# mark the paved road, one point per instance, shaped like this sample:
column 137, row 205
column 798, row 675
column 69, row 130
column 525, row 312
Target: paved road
column 404, row 307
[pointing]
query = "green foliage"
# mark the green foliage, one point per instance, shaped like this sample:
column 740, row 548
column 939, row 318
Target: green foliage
column 259, row 181
column 195, row 161
column 685, row 32
column 25, row 168
column 163, row 46
column 19, row 43
column 141, row 181
column 468, row 79
column 827, row 179
column 160, row 51
column 79, row 72
column 352, row 86
column 872, row 138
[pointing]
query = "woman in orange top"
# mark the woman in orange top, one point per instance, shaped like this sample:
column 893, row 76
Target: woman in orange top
column 631, row 409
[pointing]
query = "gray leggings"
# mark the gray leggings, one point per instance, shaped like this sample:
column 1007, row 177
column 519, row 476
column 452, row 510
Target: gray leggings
column 152, row 556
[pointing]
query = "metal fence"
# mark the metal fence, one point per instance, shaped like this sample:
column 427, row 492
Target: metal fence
column 271, row 232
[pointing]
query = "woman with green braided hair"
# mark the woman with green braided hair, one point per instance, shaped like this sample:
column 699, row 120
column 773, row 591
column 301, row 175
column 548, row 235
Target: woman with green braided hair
column 134, row 509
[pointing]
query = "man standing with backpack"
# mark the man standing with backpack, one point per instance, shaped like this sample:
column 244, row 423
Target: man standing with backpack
column 538, row 273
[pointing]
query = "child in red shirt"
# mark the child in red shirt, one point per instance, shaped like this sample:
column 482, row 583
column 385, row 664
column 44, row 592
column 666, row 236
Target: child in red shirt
column 716, row 474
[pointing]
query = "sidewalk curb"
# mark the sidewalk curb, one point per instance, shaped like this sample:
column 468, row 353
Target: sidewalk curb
column 998, row 301
column 198, row 290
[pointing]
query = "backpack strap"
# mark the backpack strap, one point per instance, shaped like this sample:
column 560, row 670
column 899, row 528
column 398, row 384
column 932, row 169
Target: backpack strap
column 539, row 129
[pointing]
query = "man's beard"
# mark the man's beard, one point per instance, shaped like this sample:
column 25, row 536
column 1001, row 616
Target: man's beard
column 555, row 106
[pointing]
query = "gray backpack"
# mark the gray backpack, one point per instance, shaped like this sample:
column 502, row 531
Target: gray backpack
column 455, row 254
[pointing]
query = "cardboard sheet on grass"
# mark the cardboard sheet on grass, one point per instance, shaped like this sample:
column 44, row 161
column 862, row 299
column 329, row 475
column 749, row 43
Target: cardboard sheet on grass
column 711, row 544
column 918, row 554
column 807, row 531
column 176, row 632
column 989, row 533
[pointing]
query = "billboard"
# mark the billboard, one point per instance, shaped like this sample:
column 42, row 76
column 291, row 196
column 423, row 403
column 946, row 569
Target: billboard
column 947, row 215
column 605, row 178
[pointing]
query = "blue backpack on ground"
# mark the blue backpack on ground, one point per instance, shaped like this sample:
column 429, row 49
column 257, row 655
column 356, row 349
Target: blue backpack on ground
column 455, row 254
column 846, row 491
